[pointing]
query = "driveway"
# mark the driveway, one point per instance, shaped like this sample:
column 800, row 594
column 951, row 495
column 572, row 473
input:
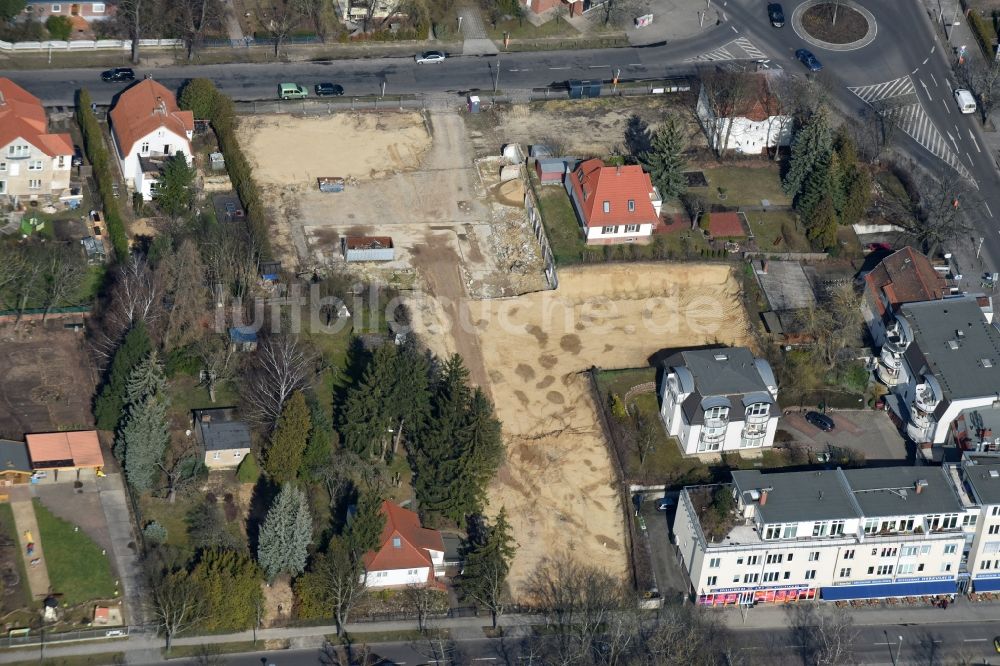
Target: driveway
column 671, row 579
column 868, row 432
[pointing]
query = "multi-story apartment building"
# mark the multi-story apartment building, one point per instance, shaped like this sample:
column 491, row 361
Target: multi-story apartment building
column 905, row 276
column 977, row 478
column 716, row 400
column 34, row 164
column 830, row 534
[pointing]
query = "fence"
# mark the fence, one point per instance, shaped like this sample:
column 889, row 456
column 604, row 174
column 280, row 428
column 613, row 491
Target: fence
column 531, row 208
column 27, row 637
column 85, row 45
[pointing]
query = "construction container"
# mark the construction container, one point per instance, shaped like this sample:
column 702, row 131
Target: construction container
column 367, row 248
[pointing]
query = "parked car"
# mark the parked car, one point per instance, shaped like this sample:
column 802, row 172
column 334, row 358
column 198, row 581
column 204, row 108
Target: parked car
column 776, row 14
column 326, row 89
column 430, row 56
column 821, row 421
column 811, row 62
column 118, row 74
column 291, row 91
column 664, row 503
column 77, row 156
column 996, row 643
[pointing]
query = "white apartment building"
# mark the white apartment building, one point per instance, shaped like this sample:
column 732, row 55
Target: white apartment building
column 830, row 534
column 715, row 400
column 941, row 359
column 978, row 480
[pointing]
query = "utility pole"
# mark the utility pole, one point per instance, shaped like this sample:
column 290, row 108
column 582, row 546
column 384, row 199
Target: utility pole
column 979, row 248
column 948, row 26
column 460, row 23
column 496, row 79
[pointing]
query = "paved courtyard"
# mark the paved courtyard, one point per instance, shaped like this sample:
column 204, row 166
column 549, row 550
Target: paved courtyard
column 865, row 431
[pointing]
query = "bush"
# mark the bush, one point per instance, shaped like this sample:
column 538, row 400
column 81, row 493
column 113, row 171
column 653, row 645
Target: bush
column 97, row 153
column 984, row 32
column 154, row 532
column 248, row 471
column 59, row 27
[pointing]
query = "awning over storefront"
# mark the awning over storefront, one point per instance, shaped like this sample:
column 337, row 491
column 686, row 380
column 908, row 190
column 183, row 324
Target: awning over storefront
column 986, row 584
column 889, row 590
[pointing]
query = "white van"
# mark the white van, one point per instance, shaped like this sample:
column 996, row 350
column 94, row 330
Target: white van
column 966, row 102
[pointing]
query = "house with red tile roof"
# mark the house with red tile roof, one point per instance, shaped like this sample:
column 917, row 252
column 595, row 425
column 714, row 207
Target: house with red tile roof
column 408, row 554
column 34, row 164
column 147, row 128
column 614, row 204
column 749, row 124
column 905, row 276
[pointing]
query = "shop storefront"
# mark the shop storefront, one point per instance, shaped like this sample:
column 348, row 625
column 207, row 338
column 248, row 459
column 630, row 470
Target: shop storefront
column 915, row 587
column 743, row 596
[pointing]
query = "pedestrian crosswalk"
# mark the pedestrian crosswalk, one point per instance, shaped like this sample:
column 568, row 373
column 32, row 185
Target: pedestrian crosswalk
column 740, row 48
column 898, row 101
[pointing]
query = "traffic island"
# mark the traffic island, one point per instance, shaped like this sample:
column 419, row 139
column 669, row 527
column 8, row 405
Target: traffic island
column 843, row 25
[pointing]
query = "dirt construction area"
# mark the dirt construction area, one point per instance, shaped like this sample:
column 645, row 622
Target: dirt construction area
column 408, row 175
column 557, row 483
column 48, row 379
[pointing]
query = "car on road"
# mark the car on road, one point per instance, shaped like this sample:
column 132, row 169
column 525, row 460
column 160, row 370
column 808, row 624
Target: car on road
column 775, row 14
column 821, row 421
column 966, row 102
column 811, row 62
column 996, row 643
column 291, row 91
column 328, row 89
column 118, row 74
column 430, row 56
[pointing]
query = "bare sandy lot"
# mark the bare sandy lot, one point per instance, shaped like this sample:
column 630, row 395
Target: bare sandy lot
column 557, row 481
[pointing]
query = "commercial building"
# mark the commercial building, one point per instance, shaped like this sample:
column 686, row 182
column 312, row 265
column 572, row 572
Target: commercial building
column 715, row 400
column 828, row 534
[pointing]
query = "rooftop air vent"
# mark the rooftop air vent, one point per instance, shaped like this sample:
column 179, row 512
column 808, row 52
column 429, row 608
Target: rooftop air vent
column 994, row 474
column 721, row 357
column 953, row 344
column 987, row 363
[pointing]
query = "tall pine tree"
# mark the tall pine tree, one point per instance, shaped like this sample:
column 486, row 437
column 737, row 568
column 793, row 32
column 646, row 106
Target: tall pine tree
column 322, row 440
column 110, row 403
column 487, row 564
column 365, row 529
column 285, row 536
column 284, row 453
column 811, row 149
column 144, row 435
column 665, row 159
column 364, row 420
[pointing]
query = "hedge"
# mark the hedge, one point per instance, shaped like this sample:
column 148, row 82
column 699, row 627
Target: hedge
column 983, row 30
column 202, row 98
column 97, row 153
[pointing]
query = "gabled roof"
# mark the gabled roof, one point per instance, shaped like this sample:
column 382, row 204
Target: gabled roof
column 221, row 430
column 595, row 184
column 142, row 109
column 14, row 457
column 22, row 116
column 79, row 448
column 905, row 276
column 404, row 543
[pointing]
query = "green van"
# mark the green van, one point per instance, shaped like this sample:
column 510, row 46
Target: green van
column 291, row 91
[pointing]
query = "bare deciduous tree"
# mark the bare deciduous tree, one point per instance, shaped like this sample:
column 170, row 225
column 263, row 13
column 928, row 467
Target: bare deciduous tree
column 826, row 635
column 281, row 366
column 192, row 18
column 420, row 599
column 279, row 18
column 315, row 11
column 216, row 354
column 62, row 277
column 177, row 605
column 131, row 11
column 725, row 94
column 182, row 276
column 939, row 216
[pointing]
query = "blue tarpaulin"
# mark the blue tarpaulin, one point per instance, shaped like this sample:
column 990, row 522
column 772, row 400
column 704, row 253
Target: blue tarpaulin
column 985, row 585
column 889, row 590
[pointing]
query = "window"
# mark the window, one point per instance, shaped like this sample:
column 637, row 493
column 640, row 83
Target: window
column 56, row 9
column 412, row 572
column 985, row 564
column 991, row 547
column 945, row 567
column 819, row 529
column 771, row 577
column 871, row 570
column 3, row 166
column 758, row 409
column 836, row 527
column 811, row 574
column 236, row 454
column 711, row 580
column 788, row 574
column 906, row 525
column 751, row 578
column 97, row 8
column 889, row 552
column 17, row 150
column 753, row 559
column 216, row 455
column 950, row 548
column 871, row 525
column 631, row 228
column 920, row 567
column 995, row 510
column 607, row 206
column 34, row 184
column 714, row 562
column 789, row 532
column 994, row 529
column 790, row 556
column 144, row 147
column 849, row 554
column 631, row 205
column 35, row 165
column 3, row 186
column 924, row 550
column 814, row 556
column 772, row 531
column 884, row 569
column 61, row 162
column 739, row 560
column 736, row 578
column 397, row 542
column 906, row 569
column 970, row 520
column 909, row 551
column 845, row 572
column 166, row 149
column 947, row 521
column 774, row 559
column 608, row 230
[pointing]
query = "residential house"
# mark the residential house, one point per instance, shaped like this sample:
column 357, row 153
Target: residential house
column 147, row 128
column 65, row 456
column 614, row 204
column 905, row 276
column 15, row 466
column 830, row 534
column 224, row 439
column 34, row 164
column 408, row 554
column 715, row 400
column 751, row 128
column 943, row 368
column 80, row 13
column 243, row 338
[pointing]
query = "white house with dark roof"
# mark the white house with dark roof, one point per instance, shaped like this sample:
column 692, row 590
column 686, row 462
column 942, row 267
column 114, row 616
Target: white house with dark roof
column 829, row 534
column 715, row 400
column 224, row 438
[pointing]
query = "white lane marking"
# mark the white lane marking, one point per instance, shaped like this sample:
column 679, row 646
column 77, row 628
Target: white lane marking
column 933, row 49
column 914, row 71
column 974, row 142
column 974, row 640
column 926, row 91
column 934, row 78
column 988, row 209
column 925, row 61
column 599, row 66
column 947, row 107
column 734, row 29
column 969, row 157
column 558, row 67
column 635, row 64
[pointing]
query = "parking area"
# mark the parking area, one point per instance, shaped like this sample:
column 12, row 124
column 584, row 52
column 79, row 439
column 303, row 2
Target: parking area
column 671, row 579
column 868, row 432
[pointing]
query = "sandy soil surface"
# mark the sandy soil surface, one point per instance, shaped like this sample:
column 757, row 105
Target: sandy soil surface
column 557, row 483
column 559, row 122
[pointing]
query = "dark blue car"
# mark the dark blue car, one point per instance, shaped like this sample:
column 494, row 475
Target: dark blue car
column 809, row 60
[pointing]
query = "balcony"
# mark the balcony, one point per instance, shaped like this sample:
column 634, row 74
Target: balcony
column 925, row 401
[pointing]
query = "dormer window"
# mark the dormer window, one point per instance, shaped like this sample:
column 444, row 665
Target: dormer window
column 631, row 205
column 607, row 206
column 397, row 542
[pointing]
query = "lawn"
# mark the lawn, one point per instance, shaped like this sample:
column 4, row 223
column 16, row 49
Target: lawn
column 561, row 225
column 207, row 653
column 524, row 29
column 744, row 185
column 76, row 566
column 99, row 659
column 187, row 393
column 173, row 517
column 778, row 231
column 19, row 597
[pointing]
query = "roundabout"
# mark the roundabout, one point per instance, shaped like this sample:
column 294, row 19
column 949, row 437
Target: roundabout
column 834, row 25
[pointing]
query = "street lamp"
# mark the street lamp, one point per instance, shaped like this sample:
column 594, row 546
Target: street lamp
column 899, row 648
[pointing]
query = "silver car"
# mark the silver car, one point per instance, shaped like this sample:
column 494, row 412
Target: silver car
column 430, row 56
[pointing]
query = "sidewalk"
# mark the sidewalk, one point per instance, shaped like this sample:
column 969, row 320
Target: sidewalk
column 27, row 529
